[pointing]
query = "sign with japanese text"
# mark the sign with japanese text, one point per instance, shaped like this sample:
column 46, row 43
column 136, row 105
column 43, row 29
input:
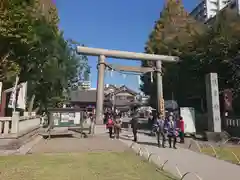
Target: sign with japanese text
column 214, row 118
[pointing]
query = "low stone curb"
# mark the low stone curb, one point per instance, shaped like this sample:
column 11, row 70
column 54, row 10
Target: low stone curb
column 215, row 153
column 26, row 148
column 144, row 153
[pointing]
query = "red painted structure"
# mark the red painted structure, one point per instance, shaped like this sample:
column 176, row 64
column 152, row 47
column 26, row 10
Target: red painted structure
column 3, row 104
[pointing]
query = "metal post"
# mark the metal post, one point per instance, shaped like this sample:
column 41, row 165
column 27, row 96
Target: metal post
column 100, row 90
column 159, row 86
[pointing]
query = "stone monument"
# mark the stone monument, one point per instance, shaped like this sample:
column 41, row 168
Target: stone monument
column 214, row 132
column 213, row 106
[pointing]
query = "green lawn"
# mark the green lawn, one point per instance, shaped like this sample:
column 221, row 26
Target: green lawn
column 224, row 153
column 89, row 166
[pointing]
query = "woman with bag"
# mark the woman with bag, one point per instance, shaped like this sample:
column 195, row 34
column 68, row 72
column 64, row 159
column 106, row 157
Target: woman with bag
column 181, row 129
column 117, row 127
column 110, row 126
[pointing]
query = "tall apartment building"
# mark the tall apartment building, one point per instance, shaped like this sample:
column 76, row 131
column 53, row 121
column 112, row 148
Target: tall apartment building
column 207, row 9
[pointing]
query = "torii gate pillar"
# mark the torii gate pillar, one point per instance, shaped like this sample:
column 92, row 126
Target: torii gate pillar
column 160, row 104
column 104, row 53
column 100, row 90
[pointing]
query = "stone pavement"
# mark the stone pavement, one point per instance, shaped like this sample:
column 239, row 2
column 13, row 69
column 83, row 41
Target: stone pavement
column 208, row 168
column 100, row 143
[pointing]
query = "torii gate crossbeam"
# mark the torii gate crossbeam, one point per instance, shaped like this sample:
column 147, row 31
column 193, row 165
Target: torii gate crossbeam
column 103, row 53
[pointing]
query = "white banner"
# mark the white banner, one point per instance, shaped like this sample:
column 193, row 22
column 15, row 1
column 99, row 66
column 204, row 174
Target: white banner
column 12, row 100
column 22, row 96
column 0, row 92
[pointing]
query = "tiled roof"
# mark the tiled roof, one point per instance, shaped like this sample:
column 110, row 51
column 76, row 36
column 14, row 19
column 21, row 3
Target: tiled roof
column 91, row 95
column 83, row 96
column 126, row 89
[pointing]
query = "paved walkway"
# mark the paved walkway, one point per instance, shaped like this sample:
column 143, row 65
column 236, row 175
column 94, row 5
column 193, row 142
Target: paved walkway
column 100, row 143
column 208, row 168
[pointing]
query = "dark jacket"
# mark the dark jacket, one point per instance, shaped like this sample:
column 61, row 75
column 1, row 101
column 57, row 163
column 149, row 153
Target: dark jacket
column 172, row 127
column 134, row 123
column 160, row 125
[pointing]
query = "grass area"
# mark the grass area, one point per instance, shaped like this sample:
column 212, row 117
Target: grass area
column 89, row 166
column 224, row 153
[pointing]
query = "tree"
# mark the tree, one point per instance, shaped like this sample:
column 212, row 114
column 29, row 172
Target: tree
column 216, row 49
column 33, row 48
column 58, row 72
column 173, row 29
column 16, row 35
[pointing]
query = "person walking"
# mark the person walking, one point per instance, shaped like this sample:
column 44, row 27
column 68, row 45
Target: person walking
column 110, row 125
column 181, row 129
column 117, row 127
column 150, row 120
column 43, row 120
column 172, row 132
column 92, row 124
column 134, row 125
column 160, row 130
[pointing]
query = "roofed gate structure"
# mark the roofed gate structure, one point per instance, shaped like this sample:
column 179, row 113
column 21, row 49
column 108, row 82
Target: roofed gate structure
column 103, row 53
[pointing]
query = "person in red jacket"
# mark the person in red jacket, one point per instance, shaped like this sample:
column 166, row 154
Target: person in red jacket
column 110, row 125
column 181, row 129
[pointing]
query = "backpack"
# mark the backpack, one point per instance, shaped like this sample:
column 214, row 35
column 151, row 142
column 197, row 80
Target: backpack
column 110, row 123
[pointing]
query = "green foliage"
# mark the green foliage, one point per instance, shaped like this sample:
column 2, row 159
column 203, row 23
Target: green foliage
column 173, row 30
column 15, row 31
column 216, row 51
column 33, row 48
column 202, row 50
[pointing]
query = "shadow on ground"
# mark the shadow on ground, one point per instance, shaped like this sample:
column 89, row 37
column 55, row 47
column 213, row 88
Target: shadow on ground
column 124, row 137
column 142, row 125
column 66, row 144
column 148, row 143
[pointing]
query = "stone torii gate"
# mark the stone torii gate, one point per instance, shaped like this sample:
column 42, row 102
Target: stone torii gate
column 104, row 53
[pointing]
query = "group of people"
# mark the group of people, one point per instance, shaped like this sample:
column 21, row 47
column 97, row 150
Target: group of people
column 113, row 124
column 170, row 128
column 165, row 128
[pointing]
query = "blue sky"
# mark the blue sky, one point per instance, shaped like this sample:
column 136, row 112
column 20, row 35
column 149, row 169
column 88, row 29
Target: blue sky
column 112, row 24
